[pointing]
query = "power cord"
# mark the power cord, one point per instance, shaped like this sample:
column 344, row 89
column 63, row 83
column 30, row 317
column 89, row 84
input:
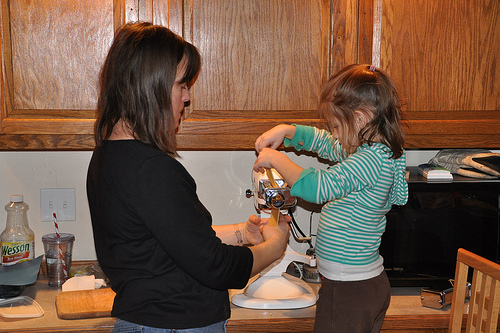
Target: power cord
column 290, row 212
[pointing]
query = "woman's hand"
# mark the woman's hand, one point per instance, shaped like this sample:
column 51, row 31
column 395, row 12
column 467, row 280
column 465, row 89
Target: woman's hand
column 254, row 226
column 274, row 137
column 252, row 230
column 282, row 231
column 275, row 241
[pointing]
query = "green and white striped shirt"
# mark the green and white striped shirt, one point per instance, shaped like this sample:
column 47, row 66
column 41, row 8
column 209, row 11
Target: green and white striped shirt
column 357, row 192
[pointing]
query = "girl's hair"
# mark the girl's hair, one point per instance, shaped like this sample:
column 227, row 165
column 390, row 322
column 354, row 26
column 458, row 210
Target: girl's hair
column 136, row 83
column 369, row 90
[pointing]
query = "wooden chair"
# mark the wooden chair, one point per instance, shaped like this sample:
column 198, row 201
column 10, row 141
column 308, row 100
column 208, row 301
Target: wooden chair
column 484, row 301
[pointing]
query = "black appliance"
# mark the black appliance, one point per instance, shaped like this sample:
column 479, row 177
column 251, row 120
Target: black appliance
column 422, row 238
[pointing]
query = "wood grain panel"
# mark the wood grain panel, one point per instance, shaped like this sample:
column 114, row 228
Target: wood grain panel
column 258, row 55
column 47, row 126
column 344, row 37
column 169, row 13
column 57, row 52
column 443, row 57
column 52, row 52
column 392, row 324
column 366, row 31
column 46, row 142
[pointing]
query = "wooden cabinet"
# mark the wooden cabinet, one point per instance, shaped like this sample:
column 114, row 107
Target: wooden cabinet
column 443, row 56
column 264, row 62
column 51, row 55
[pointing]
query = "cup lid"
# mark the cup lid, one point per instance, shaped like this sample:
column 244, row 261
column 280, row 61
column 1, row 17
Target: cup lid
column 63, row 237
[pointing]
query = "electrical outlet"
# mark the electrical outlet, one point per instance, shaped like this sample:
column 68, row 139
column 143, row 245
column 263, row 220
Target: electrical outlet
column 60, row 201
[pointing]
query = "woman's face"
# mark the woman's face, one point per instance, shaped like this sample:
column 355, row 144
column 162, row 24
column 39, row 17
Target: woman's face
column 180, row 94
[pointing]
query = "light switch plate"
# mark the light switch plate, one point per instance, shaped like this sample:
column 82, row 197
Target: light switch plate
column 60, row 201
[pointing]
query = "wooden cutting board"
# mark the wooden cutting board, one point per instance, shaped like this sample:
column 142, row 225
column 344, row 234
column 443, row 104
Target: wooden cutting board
column 85, row 303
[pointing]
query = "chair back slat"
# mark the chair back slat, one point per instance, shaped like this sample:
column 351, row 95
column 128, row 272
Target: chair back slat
column 484, row 304
column 493, row 302
column 458, row 298
column 477, row 305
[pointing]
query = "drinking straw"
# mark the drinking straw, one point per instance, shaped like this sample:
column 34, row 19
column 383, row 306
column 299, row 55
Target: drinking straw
column 59, row 251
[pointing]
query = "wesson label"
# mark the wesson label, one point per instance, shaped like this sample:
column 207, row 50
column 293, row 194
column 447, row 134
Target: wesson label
column 14, row 252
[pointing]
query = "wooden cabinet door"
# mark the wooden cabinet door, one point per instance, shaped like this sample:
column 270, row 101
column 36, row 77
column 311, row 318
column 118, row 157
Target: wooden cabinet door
column 52, row 52
column 264, row 62
column 443, row 57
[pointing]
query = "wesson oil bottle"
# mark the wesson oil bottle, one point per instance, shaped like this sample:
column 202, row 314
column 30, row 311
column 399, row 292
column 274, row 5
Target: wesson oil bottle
column 17, row 240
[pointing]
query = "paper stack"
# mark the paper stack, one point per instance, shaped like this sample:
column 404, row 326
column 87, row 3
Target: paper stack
column 434, row 172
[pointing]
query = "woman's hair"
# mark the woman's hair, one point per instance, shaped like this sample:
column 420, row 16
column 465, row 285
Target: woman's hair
column 369, row 90
column 136, row 82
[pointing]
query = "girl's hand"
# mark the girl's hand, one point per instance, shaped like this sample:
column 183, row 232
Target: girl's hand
column 270, row 158
column 274, row 137
column 267, row 159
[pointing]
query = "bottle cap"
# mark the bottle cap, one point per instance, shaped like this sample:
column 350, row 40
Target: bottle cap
column 16, row 198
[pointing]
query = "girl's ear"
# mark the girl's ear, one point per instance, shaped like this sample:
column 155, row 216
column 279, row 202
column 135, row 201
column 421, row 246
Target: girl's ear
column 361, row 118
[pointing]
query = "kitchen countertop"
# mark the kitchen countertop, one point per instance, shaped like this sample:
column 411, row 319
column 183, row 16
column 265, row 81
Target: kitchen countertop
column 405, row 312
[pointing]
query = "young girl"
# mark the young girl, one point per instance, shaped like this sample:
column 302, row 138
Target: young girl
column 362, row 111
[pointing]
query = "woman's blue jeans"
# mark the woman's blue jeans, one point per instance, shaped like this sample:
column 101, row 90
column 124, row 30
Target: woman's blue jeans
column 122, row 326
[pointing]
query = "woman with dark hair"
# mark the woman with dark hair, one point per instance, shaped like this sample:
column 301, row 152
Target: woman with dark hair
column 170, row 268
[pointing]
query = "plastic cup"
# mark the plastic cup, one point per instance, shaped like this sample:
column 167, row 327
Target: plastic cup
column 55, row 266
